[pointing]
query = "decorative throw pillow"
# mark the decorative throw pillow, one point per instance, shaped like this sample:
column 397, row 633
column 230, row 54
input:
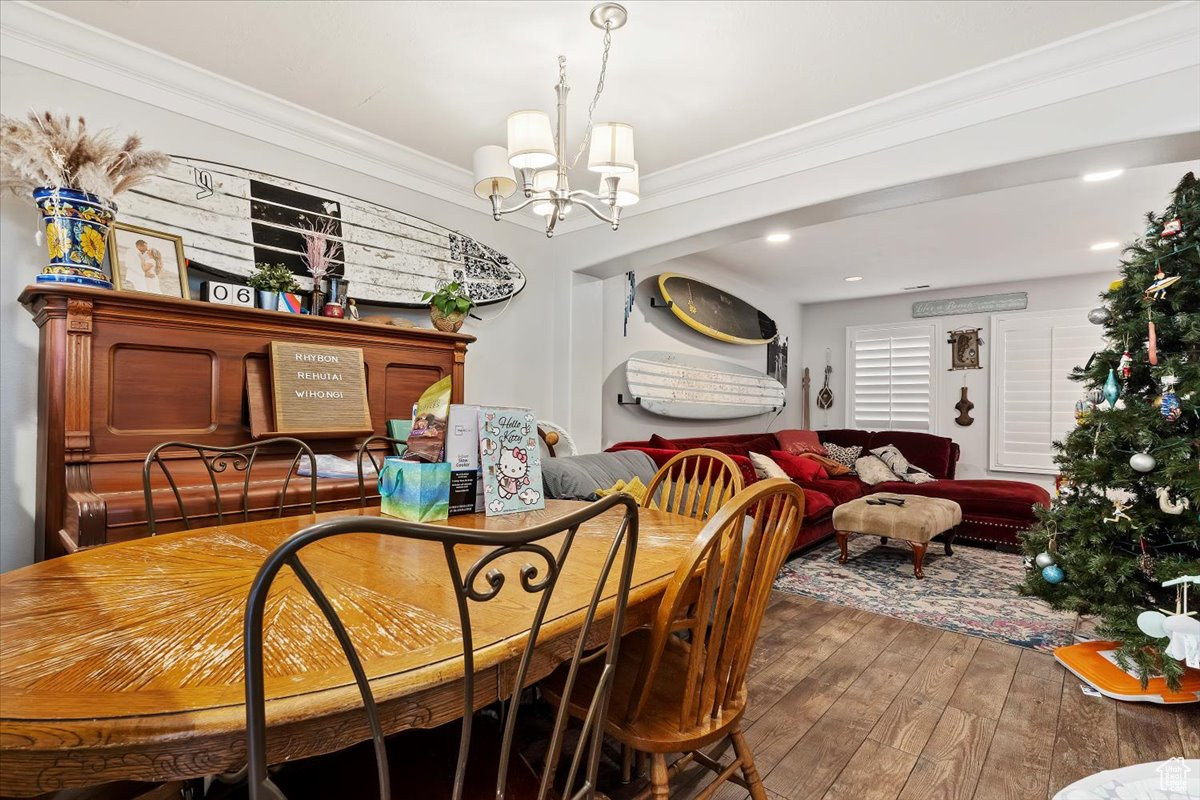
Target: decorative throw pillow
column 832, row 468
column 659, row 443
column 798, row 442
column 765, row 467
column 635, row 488
column 872, row 470
column 898, row 464
column 844, row 455
column 798, row 468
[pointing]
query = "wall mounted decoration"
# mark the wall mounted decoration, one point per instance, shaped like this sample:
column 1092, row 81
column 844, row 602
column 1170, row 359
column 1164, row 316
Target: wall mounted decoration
column 232, row 217
column 825, row 396
column 695, row 387
column 777, row 359
column 963, row 407
column 630, row 294
column 145, row 260
column 964, row 348
column 1012, row 301
column 715, row 313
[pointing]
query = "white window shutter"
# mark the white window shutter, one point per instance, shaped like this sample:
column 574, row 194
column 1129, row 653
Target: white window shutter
column 890, row 377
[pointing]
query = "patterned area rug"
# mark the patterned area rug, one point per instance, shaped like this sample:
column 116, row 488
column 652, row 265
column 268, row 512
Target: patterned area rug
column 973, row 591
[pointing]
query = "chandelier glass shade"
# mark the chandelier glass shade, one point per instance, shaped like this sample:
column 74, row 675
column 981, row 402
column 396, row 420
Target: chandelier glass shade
column 536, row 159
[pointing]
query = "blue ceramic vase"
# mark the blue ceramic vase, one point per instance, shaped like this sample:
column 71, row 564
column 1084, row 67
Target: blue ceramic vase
column 76, row 226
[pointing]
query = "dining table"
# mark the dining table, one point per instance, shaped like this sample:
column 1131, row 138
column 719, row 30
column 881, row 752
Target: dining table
column 125, row 662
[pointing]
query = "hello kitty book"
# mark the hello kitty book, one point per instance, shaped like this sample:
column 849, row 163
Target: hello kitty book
column 511, row 460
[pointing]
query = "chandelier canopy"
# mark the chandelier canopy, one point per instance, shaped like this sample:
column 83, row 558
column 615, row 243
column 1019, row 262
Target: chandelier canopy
column 535, row 159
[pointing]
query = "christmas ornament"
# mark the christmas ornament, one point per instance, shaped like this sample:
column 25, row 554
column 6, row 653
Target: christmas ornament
column 1181, row 628
column 1043, row 560
column 1145, row 561
column 1053, row 574
column 1172, row 229
column 1095, row 396
column 1169, row 506
column 1151, row 340
column 1126, row 365
column 1119, row 508
column 1117, row 284
column 1151, row 623
column 1082, row 409
column 1170, row 407
column 1158, row 289
column 1142, row 462
column 1099, row 316
column 1112, row 389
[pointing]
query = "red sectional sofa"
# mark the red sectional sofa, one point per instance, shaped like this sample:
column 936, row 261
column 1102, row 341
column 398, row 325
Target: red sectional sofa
column 993, row 510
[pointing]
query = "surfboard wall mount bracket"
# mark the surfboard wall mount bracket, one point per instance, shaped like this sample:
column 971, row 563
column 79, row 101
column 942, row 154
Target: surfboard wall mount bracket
column 621, row 401
column 656, row 303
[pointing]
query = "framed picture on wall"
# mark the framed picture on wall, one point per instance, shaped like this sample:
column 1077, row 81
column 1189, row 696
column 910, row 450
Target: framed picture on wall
column 149, row 261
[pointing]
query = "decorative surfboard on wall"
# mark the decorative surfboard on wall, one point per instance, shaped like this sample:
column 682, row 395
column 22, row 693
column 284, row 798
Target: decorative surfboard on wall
column 715, row 313
column 230, row 217
column 697, row 387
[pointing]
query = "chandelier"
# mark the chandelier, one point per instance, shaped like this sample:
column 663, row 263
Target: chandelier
column 536, row 158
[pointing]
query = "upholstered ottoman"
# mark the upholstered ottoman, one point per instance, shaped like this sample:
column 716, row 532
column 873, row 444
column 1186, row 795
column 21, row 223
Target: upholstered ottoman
column 917, row 521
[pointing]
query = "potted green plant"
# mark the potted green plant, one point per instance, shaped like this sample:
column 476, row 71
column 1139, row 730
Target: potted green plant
column 268, row 280
column 74, row 176
column 448, row 307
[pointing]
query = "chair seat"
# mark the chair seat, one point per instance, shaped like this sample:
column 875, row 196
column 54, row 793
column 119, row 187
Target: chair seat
column 657, row 729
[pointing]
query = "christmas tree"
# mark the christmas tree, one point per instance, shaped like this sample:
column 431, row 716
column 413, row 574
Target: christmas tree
column 1127, row 516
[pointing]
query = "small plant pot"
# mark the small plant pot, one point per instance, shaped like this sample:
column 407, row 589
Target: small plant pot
column 450, row 323
column 267, row 299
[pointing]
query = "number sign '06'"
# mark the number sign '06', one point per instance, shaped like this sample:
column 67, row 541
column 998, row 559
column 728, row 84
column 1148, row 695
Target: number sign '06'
column 227, row 294
column 319, row 388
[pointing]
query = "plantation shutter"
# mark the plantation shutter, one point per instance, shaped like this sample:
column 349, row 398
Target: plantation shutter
column 890, row 377
column 1032, row 396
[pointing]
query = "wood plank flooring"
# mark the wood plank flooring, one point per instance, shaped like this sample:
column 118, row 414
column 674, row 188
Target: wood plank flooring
column 849, row 704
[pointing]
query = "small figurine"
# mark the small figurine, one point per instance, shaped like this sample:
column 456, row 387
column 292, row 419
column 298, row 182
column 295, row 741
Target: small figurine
column 1119, row 507
column 1158, row 289
column 353, row 310
column 1126, row 365
column 1170, row 407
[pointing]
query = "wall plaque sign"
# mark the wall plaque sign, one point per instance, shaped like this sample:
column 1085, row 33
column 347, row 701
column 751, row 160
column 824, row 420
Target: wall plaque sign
column 1012, row 301
column 319, row 388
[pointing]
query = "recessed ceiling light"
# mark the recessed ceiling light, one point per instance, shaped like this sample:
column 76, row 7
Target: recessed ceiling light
column 1106, row 245
column 778, row 237
column 1106, row 175
column 852, row 278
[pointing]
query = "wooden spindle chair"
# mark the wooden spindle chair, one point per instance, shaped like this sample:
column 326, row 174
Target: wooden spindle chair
column 217, row 463
column 547, row 546
column 678, row 693
column 695, row 483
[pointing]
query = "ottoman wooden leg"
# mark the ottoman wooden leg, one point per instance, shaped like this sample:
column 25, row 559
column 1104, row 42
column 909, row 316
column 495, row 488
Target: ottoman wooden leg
column 950, row 541
column 883, row 540
column 843, row 538
column 918, row 558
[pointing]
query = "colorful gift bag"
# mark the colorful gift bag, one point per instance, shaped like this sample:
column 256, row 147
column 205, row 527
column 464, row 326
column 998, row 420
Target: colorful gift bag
column 415, row 491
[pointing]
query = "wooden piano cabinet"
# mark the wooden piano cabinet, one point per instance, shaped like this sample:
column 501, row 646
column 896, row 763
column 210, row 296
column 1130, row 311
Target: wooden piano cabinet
column 120, row 372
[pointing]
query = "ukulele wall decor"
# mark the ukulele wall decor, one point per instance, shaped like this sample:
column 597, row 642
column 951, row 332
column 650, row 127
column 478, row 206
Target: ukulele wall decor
column 963, row 407
column 825, row 396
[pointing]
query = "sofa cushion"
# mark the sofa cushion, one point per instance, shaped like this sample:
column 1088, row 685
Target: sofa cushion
column 929, row 452
column 578, row 477
column 841, row 490
column 844, row 455
column 846, row 437
column 797, row 468
column 766, row 467
column 816, row 505
column 1012, row 500
column 660, row 443
column 872, row 469
column 759, row 444
column 798, row 441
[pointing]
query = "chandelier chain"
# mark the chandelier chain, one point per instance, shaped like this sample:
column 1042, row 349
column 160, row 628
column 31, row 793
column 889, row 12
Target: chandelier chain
column 562, row 73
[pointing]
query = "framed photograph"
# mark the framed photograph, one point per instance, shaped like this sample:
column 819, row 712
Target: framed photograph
column 147, row 261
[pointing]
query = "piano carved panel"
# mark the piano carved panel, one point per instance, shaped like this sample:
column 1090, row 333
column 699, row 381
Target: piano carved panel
column 121, row 372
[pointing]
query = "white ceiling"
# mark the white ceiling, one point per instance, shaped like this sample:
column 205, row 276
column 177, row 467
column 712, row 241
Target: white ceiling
column 1034, row 231
column 693, row 77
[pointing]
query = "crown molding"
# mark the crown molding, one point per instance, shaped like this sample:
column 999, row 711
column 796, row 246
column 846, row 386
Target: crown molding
column 1154, row 43
column 29, row 33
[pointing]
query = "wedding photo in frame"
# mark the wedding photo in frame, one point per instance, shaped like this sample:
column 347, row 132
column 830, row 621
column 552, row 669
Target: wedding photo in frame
column 145, row 260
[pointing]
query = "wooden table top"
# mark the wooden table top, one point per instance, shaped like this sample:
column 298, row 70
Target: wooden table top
column 125, row 661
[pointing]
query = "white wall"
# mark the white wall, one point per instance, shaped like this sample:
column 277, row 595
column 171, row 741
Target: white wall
column 824, row 326
column 659, row 329
column 502, row 367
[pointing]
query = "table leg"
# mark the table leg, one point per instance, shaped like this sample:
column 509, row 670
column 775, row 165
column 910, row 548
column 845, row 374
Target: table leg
column 950, row 541
column 843, row 537
column 918, row 549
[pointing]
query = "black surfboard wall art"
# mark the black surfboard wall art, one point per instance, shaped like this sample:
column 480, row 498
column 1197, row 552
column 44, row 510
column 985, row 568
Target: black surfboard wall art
column 714, row 312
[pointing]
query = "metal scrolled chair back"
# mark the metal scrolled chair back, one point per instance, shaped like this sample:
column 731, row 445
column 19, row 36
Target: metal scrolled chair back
column 216, row 461
column 364, row 451
column 695, row 483
column 478, row 584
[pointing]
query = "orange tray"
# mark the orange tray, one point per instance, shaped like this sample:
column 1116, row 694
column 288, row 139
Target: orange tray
column 1089, row 665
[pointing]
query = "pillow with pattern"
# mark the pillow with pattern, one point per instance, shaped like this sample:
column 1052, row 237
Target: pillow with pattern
column 900, row 465
column 844, row 455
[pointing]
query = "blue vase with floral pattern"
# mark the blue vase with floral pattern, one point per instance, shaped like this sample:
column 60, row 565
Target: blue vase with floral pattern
column 76, row 226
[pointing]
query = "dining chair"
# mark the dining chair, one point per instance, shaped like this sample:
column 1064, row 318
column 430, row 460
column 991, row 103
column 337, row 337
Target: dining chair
column 217, row 461
column 364, row 449
column 694, row 483
column 547, row 547
column 680, row 685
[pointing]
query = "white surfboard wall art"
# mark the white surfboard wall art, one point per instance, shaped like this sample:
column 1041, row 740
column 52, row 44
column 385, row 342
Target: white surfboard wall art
column 230, row 217
column 694, row 387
